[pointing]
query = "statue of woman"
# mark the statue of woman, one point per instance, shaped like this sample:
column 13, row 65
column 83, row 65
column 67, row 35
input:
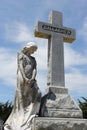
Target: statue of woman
column 28, row 95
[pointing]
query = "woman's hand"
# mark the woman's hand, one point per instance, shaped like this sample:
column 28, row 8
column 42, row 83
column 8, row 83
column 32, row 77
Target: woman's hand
column 27, row 81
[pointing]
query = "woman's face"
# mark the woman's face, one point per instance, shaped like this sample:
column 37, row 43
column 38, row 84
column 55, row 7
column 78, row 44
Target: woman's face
column 29, row 50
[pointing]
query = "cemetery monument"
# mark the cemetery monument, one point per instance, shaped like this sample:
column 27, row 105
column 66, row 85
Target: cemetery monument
column 56, row 110
column 55, row 33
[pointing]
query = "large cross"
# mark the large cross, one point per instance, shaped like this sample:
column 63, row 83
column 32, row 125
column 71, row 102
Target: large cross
column 56, row 35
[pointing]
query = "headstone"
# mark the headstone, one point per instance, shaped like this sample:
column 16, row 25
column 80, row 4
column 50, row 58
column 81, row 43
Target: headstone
column 57, row 103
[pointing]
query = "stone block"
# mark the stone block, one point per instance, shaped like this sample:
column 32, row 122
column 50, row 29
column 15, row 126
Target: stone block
column 43, row 123
column 57, row 89
column 58, row 103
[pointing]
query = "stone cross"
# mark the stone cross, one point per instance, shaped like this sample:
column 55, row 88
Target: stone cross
column 56, row 34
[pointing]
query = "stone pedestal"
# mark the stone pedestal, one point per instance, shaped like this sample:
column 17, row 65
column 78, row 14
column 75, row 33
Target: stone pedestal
column 45, row 123
column 58, row 103
column 59, row 112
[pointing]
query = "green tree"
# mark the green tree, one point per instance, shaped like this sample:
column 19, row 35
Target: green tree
column 83, row 106
column 5, row 110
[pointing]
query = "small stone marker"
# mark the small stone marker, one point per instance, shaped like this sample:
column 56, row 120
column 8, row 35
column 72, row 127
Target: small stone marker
column 56, row 35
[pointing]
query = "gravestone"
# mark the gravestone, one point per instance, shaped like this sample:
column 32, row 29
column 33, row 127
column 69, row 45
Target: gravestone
column 57, row 103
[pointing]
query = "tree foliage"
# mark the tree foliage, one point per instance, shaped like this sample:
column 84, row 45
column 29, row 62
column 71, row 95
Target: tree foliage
column 5, row 110
column 83, row 106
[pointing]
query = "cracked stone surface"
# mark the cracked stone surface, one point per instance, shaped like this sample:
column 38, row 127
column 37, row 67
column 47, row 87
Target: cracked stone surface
column 59, row 124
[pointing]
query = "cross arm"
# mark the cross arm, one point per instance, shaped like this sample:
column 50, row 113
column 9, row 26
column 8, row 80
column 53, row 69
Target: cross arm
column 41, row 31
column 45, row 30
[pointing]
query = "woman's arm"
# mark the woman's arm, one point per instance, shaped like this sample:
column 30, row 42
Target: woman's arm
column 20, row 66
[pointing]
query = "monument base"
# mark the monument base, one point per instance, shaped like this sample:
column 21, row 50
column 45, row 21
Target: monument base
column 45, row 123
column 58, row 103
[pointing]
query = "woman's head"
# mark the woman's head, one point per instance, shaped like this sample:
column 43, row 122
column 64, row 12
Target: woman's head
column 30, row 48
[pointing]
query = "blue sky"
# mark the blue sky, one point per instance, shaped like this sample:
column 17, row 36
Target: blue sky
column 17, row 22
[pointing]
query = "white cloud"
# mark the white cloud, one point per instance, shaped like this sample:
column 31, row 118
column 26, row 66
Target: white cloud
column 75, row 78
column 83, row 30
column 8, row 67
column 17, row 32
column 77, row 81
column 74, row 58
column 76, row 63
column 41, row 55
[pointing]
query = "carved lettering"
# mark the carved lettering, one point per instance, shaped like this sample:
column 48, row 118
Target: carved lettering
column 56, row 29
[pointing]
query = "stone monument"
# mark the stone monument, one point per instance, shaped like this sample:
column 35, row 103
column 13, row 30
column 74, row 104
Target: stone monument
column 58, row 110
column 28, row 95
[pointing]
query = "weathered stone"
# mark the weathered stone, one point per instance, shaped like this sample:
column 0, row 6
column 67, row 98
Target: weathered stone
column 56, row 34
column 58, row 103
column 59, row 124
column 57, row 89
column 28, row 95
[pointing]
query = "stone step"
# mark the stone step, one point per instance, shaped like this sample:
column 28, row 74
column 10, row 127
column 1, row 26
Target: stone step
column 45, row 123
